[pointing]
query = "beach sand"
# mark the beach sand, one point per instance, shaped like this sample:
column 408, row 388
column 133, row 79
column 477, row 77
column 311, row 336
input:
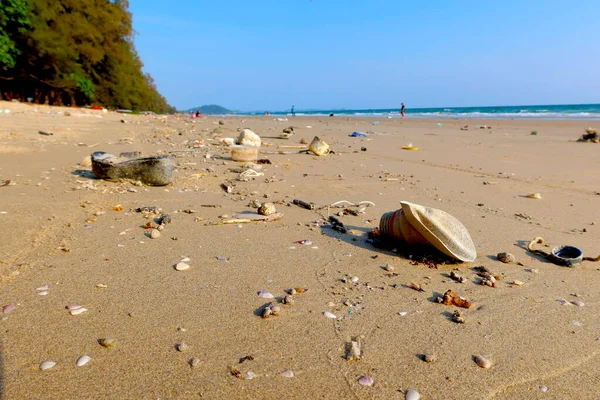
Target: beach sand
column 59, row 229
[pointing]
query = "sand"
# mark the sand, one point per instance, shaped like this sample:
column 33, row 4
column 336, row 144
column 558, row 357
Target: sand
column 59, row 229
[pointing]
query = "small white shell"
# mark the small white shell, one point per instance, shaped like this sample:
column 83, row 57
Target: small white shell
column 354, row 279
column 482, row 362
column 265, row 295
column 329, row 315
column 287, row 374
column 81, row 361
column 43, row 293
column 366, row 381
column 181, row 266
column 185, row 259
column 250, row 375
column 78, row 311
column 42, row 288
column 412, row 394
column 47, row 365
column 72, row 307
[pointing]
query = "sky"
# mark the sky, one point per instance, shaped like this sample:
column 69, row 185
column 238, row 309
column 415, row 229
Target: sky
column 355, row 54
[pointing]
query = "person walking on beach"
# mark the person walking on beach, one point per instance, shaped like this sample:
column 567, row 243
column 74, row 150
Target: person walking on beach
column 293, row 112
column 402, row 110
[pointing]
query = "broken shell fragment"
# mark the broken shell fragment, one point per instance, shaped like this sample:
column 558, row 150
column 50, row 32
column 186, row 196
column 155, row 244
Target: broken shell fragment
column 416, row 286
column 366, row 381
column 412, row 394
column 265, row 295
column 506, row 258
column 482, row 362
column 81, row 361
column 287, row 374
column 47, row 365
column 78, row 311
column 536, row 196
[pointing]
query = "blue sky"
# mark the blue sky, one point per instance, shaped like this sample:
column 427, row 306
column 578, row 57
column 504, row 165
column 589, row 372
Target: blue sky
column 270, row 54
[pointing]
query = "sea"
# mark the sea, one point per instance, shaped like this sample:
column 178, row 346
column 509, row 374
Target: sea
column 566, row 111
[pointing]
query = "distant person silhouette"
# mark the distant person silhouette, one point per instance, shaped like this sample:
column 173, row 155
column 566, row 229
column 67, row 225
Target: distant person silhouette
column 402, row 110
column 293, row 112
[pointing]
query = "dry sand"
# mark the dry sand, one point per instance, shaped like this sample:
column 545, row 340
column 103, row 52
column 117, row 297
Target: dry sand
column 532, row 340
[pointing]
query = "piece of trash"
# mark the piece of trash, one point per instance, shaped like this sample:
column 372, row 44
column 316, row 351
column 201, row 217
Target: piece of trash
column 417, row 224
column 569, row 256
column 358, row 134
column 318, row 147
column 46, row 133
column 303, row 204
column 376, row 123
column 153, row 171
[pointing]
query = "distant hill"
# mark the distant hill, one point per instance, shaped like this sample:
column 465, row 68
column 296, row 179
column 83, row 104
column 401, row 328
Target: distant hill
column 211, row 109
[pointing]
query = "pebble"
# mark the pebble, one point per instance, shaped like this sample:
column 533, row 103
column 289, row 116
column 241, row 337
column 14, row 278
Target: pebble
column 430, row 358
column 366, row 381
column 578, row 303
column 81, row 361
column 181, row 347
column 287, row 374
column 482, row 362
column 181, row 266
column 108, row 343
column 506, row 258
column 267, row 209
column 194, row 362
column 47, row 365
column 389, row 268
column 412, row 394
column 518, row 283
column 154, row 234
column 329, row 315
column 265, row 295
column 288, row 300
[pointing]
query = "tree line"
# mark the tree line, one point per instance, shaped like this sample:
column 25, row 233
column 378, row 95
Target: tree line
column 73, row 52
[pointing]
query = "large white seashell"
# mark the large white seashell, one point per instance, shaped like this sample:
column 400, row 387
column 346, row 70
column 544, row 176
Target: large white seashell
column 366, row 381
column 181, row 266
column 329, row 315
column 412, row 394
column 81, row 361
column 265, row 295
column 482, row 362
column 47, row 365
column 287, row 374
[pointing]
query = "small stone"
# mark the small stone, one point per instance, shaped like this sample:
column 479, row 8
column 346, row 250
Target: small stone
column 429, row 358
column 108, row 343
column 517, row 283
column 506, row 258
column 154, row 234
column 181, row 347
column 181, row 266
column 389, row 268
column 578, row 303
column 482, row 362
column 47, row 365
column 267, row 209
column 458, row 317
column 288, row 300
column 194, row 362
column 160, row 228
column 354, row 279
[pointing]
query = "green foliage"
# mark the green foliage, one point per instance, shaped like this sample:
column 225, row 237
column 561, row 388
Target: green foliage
column 73, row 51
column 13, row 23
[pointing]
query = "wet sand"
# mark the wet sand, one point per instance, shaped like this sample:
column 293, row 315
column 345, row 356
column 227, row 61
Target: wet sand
column 60, row 229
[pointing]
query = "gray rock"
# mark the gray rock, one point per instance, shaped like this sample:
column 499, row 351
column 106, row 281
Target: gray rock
column 153, row 171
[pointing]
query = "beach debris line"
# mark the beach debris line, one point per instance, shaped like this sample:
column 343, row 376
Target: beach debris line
column 416, row 224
